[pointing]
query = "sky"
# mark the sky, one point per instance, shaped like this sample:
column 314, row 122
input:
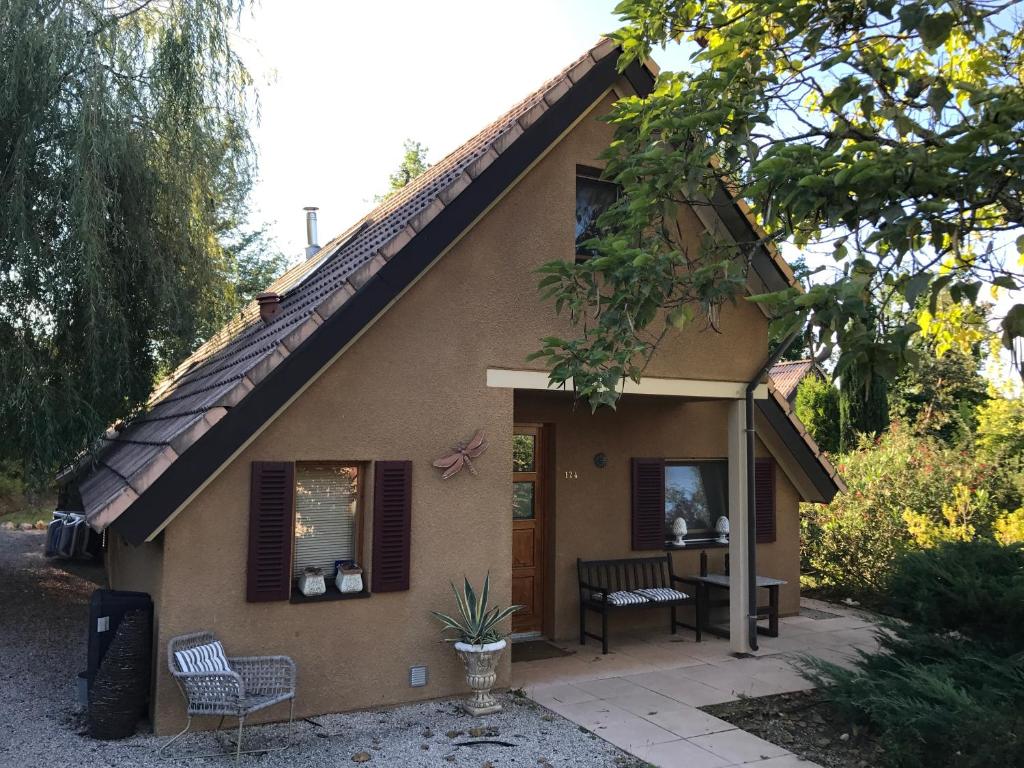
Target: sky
column 342, row 84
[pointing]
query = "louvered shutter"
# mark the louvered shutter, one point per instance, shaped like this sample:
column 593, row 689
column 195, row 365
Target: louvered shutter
column 271, row 525
column 392, row 525
column 764, row 499
column 648, row 514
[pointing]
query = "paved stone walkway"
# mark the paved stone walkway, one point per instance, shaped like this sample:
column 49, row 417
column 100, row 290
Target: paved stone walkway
column 644, row 695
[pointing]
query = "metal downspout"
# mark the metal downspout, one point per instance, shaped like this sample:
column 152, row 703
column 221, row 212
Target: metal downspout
column 751, row 489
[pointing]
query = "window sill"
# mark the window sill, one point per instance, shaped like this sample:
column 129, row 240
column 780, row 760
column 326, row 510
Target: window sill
column 329, row 596
column 695, row 544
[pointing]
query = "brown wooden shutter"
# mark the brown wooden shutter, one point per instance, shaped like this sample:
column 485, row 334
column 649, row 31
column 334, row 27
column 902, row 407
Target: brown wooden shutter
column 648, row 518
column 764, row 499
column 392, row 525
column 271, row 527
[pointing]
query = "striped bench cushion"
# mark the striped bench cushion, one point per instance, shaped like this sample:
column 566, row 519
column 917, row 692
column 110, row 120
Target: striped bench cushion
column 662, row 594
column 203, row 658
column 624, row 598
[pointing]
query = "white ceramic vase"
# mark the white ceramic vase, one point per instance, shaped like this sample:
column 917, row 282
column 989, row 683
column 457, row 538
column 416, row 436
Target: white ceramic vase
column 481, row 662
column 722, row 526
column 679, row 528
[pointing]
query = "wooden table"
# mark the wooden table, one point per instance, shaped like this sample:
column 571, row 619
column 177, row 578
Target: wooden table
column 721, row 581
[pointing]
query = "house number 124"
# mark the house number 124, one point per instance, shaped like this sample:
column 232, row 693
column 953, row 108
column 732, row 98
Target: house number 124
column 571, row 474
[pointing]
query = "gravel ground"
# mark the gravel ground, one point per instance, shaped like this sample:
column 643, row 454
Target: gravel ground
column 43, row 613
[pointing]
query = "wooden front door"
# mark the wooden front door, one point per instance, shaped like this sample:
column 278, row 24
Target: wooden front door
column 528, row 526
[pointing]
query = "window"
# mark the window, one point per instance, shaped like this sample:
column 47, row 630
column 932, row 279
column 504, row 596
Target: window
column 310, row 514
column 524, row 467
column 698, row 492
column 593, row 197
column 326, row 516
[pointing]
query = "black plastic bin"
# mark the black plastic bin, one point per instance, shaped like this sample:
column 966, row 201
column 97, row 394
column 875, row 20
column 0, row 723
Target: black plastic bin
column 119, row 661
column 107, row 608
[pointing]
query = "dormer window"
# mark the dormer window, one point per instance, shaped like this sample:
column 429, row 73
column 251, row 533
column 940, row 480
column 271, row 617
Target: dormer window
column 594, row 196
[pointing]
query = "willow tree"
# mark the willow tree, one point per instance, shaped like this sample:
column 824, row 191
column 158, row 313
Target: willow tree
column 125, row 162
column 887, row 133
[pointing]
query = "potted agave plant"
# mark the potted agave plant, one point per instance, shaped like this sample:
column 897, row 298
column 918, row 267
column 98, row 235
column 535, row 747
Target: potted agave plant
column 478, row 641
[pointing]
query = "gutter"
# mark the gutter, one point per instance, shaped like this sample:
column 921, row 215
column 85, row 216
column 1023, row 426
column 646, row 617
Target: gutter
column 751, row 489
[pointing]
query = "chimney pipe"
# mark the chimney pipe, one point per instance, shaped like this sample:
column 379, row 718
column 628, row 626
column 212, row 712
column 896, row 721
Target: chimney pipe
column 270, row 305
column 312, row 246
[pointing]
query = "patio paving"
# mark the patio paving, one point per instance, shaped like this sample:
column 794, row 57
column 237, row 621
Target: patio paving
column 644, row 695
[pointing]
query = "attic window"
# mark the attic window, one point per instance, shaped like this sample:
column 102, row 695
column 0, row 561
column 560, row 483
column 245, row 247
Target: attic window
column 594, row 196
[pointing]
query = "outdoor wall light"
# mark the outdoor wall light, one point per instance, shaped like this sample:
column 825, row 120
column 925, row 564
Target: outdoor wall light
column 600, row 460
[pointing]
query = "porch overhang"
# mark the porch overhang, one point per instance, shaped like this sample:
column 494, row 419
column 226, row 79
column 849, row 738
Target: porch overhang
column 505, row 378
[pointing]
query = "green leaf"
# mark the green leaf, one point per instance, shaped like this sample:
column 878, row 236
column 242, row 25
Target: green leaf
column 935, row 28
column 1005, row 281
column 915, row 286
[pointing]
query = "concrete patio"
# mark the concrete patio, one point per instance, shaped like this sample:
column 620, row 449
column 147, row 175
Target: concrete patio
column 644, row 695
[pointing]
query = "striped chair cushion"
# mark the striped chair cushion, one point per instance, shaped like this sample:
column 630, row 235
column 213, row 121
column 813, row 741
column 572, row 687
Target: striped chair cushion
column 203, row 658
column 625, row 598
column 662, row 594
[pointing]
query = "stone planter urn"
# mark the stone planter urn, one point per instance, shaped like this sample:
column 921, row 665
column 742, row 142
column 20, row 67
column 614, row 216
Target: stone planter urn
column 481, row 663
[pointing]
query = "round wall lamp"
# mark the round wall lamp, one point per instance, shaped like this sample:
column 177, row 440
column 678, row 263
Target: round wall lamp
column 600, row 460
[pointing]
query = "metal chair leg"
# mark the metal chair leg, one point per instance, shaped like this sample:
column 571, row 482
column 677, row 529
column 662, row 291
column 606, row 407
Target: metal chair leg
column 238, row 747
column 165, row 746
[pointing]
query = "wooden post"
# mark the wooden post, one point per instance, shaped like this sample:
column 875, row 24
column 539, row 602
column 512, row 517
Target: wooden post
column 739, row 626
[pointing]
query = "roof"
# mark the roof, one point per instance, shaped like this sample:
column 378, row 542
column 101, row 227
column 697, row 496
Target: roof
column 783, row 419
column 787, row 375
column 223, row 395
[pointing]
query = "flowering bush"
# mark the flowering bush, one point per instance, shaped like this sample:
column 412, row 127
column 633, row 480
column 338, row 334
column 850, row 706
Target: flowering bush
column 905, row 492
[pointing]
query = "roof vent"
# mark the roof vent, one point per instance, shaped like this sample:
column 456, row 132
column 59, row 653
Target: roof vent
column 270, row 305
column 312, row 246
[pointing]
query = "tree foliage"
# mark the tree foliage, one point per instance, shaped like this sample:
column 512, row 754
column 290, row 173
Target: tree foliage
column 414, row 162
column 125, row 162
column 863, row 407
column 817, row 407
column 886, row 132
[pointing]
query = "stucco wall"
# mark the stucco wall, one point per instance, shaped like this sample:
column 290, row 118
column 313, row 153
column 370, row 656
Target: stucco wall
column 408, row 389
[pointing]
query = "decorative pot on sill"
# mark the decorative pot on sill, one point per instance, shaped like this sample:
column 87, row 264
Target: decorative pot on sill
column 679, row 528
column 481, row 663
column 722, row 526
column 349, row 579
column 311, row 582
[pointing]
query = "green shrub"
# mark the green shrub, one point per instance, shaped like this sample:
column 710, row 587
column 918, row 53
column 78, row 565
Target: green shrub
column 935, row 700
column 972, row 588
column 817, row 407
column 947, row 688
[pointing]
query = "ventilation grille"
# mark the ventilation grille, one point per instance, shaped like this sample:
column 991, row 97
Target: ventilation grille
column 417, row 677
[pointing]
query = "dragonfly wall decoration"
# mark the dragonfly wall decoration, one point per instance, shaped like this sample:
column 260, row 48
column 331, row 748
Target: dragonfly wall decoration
column 462, row 455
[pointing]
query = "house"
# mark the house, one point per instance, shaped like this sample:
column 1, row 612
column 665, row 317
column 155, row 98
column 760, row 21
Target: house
column 304, row 432
column 786, row 376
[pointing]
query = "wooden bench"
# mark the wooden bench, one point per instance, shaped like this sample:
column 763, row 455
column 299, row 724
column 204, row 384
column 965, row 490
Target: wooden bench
column 611, row 585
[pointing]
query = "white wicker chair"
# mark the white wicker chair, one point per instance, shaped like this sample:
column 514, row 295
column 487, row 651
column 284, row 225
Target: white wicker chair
column 254, row 683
